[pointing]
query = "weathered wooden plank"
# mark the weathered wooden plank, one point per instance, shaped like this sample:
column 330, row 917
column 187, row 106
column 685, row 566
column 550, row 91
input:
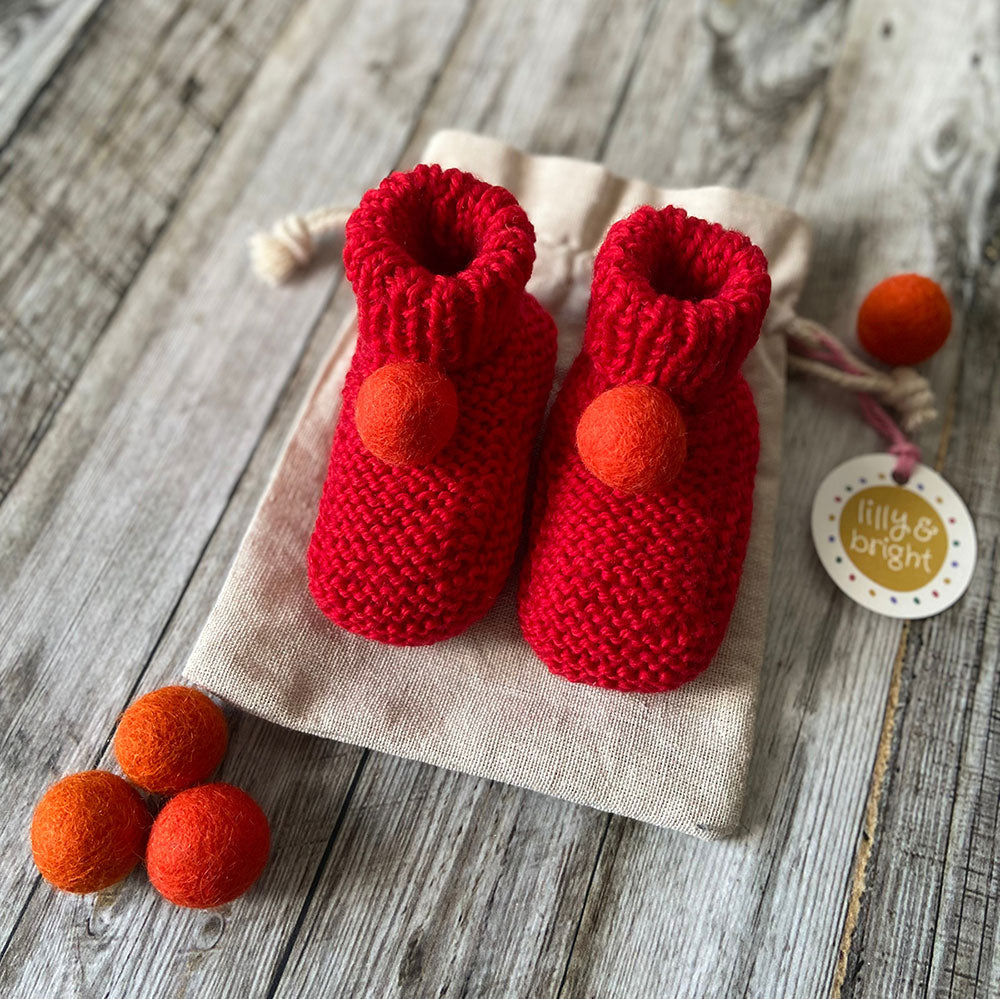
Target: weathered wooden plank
column 168, row 412
column 93, row 173
column 927, row 916
column 440, row 883
column 554, row 88
column 737, row 101
column 34, row 38
column 27, row 389
column 763, row 916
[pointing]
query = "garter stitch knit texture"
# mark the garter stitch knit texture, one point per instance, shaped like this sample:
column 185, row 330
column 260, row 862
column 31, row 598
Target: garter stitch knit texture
column 412, row 554
column 634, row 591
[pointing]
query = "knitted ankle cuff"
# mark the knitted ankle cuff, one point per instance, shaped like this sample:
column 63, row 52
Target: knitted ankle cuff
column 438, row 260
column 676, row 302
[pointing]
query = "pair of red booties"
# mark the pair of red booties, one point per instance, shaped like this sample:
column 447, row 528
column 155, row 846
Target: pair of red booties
column 642, row 502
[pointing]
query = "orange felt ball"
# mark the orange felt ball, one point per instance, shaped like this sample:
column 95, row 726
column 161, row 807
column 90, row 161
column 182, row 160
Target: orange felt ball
column 632, row 437
column 904, row 319
column 89, row 831
column 170, row 739
column 209, row 844
column 406, row 412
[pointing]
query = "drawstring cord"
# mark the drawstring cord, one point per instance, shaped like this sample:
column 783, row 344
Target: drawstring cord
column 290, row 244
column 816, row 351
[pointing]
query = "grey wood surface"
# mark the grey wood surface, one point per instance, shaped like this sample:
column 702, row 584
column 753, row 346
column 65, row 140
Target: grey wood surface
column 147, row 383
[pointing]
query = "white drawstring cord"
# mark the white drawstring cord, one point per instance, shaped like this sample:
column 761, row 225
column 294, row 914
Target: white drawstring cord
column 290, row 244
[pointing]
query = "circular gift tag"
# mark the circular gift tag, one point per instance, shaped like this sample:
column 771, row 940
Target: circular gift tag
column 905, row 551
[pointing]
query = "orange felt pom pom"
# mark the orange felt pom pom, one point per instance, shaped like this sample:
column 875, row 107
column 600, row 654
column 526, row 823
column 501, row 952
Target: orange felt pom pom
column 170, row 739
column 904, row 319
column 209, row 844
column 89, row 831
column 406, row 412
column 632, row 437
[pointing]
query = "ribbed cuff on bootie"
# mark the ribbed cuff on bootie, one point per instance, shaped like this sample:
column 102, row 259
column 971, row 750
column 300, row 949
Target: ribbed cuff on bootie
column 438, row 261
column 676, row 302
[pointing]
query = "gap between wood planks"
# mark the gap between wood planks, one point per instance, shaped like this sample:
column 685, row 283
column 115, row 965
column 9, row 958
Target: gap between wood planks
column 869, row 825
column 286, row 951
column 870, row 821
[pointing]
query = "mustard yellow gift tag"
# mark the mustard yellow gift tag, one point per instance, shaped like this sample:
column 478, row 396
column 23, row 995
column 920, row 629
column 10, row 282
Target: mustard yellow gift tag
column 905, row 551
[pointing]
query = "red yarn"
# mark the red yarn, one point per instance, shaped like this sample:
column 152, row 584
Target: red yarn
column 170, row 739
column 634, row 592
column 208, row 845
column 406, row 412
column 632, row 438
column 411, row 555
column 88, row 831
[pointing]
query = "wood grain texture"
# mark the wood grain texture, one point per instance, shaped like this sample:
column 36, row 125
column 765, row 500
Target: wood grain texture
column 35, row 35
column 182, row 404
column 928, row 916
column 147, row 385
column 94, row 173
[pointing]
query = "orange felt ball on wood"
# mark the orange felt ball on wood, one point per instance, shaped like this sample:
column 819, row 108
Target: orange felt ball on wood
column 406, row 412
column 904, row 319
column 89, row 831
column 209, row 844
column 632, row 437
column 170, row 739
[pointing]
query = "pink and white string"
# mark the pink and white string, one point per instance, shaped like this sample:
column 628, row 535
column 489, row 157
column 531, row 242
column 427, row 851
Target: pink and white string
column 816, row 351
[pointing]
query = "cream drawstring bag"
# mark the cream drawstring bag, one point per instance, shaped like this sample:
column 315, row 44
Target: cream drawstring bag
column 481, row 702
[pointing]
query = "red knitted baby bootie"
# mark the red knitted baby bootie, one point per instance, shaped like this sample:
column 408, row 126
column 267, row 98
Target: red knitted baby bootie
column 422, row 507
column 642, row 511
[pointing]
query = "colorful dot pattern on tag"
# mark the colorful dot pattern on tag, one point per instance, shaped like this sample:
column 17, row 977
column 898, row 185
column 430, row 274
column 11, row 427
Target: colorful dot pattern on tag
column 906, row 551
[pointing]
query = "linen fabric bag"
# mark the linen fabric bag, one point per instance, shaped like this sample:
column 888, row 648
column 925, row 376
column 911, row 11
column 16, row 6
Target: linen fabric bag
column 482, row 702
